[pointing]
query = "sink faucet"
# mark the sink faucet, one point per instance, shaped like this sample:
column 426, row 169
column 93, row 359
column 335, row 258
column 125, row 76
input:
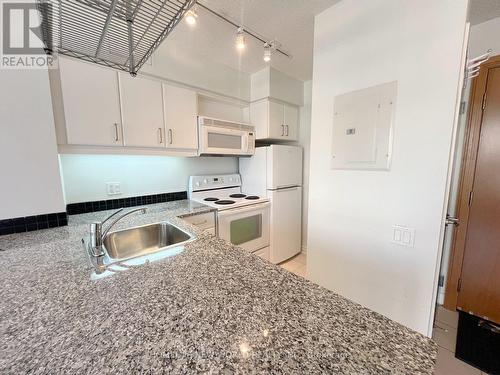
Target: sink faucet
column 97, row 235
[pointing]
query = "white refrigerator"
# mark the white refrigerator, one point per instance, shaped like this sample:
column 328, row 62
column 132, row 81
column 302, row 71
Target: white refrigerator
column 275, row 172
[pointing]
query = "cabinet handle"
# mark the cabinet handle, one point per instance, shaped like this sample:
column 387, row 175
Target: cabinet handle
column 170, row 136
column 282, row 130
column 161, row 135
column 116, row 132
column 286, row 130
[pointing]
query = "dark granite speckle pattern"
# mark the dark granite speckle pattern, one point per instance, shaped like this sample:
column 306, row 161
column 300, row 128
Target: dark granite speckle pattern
column 213, row 309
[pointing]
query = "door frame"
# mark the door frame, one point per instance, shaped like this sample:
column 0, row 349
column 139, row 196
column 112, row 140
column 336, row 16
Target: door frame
column 466, row 184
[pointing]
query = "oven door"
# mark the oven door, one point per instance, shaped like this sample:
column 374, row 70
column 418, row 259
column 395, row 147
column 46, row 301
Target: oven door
column 224, row 141
column 247, row 227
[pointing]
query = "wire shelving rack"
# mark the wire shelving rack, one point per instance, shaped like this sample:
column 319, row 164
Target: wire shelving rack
column 121, row 34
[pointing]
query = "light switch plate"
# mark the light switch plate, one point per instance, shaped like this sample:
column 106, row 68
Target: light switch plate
column 113, row 188
column 403, row 236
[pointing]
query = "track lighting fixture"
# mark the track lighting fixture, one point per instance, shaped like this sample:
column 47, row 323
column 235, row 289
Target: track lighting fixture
column 240, row 39
column 267, row 52
column 191, row 17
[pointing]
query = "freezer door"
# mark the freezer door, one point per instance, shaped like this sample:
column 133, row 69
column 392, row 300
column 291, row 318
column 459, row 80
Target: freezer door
column 286, row 223
column 253, row 173
column 284, row 167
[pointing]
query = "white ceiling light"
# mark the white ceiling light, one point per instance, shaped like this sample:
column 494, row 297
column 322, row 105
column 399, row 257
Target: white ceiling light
column 267, row 52
column 240, row 39
column 190, row 17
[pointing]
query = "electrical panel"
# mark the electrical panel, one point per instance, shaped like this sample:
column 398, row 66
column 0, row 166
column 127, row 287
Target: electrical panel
column 363, row 126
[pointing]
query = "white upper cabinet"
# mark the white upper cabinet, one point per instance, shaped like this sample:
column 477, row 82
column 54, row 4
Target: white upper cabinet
column 91, row 104
column 291, row 121
column 181, row 110
column 142, row 112
column 275, row 120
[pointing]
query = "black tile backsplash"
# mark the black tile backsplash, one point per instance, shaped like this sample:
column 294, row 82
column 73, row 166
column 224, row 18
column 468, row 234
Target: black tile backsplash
column 31, row 223
column 59, row 219
column 111, row 204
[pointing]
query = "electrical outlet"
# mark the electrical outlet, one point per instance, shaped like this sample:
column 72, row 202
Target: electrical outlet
column 403, row 236
column 113, row 188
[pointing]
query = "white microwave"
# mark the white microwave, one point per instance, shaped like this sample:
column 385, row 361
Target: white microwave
column 219, row 137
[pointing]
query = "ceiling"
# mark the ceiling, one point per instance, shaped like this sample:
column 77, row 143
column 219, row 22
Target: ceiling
column 291, row 22
column 483, row 10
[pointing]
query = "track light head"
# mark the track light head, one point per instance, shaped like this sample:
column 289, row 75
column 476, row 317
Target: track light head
column 267, row 52
column 240, row 39
column 191, row 17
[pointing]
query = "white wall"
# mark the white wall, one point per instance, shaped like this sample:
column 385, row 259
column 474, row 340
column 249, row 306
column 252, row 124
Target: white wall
column 85, row 176
column 305, row 141
column 29, row 177
column 359, row 44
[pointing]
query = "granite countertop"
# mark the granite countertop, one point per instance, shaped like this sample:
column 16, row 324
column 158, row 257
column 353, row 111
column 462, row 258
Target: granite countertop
column 211, row 308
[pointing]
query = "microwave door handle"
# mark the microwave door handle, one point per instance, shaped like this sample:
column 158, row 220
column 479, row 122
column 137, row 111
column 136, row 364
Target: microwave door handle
column 246, row 143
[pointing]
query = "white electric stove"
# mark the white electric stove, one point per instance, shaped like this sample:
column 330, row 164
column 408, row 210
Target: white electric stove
column 242, row 217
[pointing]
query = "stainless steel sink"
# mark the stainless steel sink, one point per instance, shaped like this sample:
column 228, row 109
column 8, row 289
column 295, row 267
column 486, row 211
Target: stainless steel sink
column 147, row 239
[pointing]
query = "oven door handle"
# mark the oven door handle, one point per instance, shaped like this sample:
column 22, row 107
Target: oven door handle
column 252, row 207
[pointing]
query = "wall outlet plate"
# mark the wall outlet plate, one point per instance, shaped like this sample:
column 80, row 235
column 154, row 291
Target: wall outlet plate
column 113, row 188
column 404, row 236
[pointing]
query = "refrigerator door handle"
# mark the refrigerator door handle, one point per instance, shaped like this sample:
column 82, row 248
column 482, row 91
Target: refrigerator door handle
column 282, row 188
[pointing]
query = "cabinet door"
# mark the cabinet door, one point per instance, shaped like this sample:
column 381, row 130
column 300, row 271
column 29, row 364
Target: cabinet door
column 259, row 117
column 291, row 122
column 91, row 104
column 180, row 117
column 276, row 121
column 142, row 112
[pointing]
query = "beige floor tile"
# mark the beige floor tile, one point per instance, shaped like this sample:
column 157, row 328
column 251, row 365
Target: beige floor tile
column 290, row 265
column 302, row 258
column 445, row 336
column 301, row 271
column 448, row 317
column 447, row 364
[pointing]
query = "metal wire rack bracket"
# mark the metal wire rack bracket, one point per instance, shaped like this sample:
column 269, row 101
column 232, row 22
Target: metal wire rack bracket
column 121, row 34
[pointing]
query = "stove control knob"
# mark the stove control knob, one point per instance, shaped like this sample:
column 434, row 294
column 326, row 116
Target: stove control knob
column 205, row 181
column 198, row 183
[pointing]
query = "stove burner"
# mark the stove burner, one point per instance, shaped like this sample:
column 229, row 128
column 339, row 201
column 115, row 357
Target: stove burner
column 237, row 196
column 252, row 197
column 210, row 199
column 225, row 201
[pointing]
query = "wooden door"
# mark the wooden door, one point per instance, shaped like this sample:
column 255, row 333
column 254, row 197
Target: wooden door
column 180, row 117
column 142, row 112
column 91, row 104
column 479, row 291
column 292, row 122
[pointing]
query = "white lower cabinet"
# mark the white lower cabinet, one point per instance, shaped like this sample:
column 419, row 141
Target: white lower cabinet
column 91, row 104
column 142, row 112
column 181, row 111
